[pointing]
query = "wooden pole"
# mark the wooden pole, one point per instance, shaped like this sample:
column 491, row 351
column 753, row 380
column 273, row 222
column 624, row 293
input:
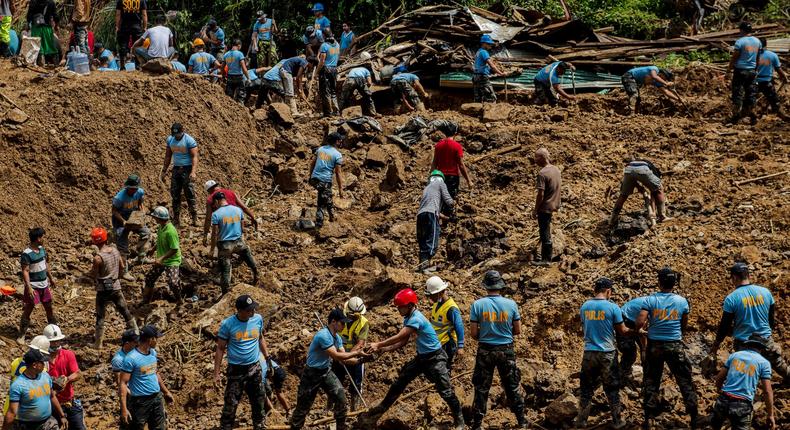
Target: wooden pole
column 760, row 178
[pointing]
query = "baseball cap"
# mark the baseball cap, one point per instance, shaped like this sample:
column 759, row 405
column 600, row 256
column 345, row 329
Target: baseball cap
column 219, row 195
column 176, row 128
column 739, row 268
column 150, row 332
column 33, row 356
column 245, row 303
column 129, row 336
column 338, row 315
column 602, row 284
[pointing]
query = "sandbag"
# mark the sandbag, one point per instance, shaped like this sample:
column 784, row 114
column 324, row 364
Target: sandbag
column 31, row 46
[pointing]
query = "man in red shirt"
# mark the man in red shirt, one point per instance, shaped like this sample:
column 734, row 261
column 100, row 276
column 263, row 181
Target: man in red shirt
column 64, row 371
column 448, row 158
column 212, row 187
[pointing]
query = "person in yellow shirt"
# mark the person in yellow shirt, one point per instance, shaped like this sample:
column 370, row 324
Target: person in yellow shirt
column 446, row 319
column 40, row 343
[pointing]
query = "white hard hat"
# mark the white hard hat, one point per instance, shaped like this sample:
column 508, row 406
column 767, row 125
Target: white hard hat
column 40, row 343
column 354, row 305
column 160, row 212
column 435, row 285
column 365, row 56
column 210, row 183
column 52, row 332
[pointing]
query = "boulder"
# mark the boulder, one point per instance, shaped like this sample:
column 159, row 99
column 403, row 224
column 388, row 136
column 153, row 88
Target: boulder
column 16, row 116
column 332, row 230
column 550, row 278
column 284, row 146
column 384, row 250
column 472, row 109
column 270, row 282
column 379, row 202
column 375, row 157
column 281, row 114
column 562, row 410
column 350, row 251
column 395, row 177
column 494, row 112
column 559, row 116
column 751, row 254
column 158, row 66
column 287, row 180
column 261, row 115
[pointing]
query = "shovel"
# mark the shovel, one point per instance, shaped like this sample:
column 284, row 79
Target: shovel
column 682, row 101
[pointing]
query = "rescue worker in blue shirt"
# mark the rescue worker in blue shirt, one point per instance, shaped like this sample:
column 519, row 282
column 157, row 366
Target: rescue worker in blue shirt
column 347, row 40
column 262, row 43
column 637, row 77
column 241, row 336
column 32, row 401
column 141, row 386
column 325, row 347
column 321, row 22
column 214, row 36
column 328, row 163
column 494, row 321
column 738, row 380
column 272, row 82
column 358, row 80
column 747, row 310
column 405, row 88
column 484, row 65
column 178, row 66
column 201, row 62
column 182, row 150
column 431, row 362
column 602, row 321
column 667, row 315
column 766, row 65
column 446, row 319
column 129, row 339
column 743, row 66
column 629, row 345
column 99, row 52
column 237, row 71
column 328, row 56
column 227, row 236
column 128, row 200
column 549, row 77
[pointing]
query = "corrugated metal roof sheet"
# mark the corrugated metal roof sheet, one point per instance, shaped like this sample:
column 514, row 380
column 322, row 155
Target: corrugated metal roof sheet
column 585, row 80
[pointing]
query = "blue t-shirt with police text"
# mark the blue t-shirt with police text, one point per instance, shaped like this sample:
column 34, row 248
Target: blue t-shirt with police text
column 201, row 62
column 495, row 316
column 233, row 59
column 180, row 149
column 142, row 367
column 769, row 61
column 317, row 357
column 599, row 316
column 664, row 313
column 33, row 396
column 750, row 305
column 228, row 218
column 327, row 158
column 243, row 338
column 332, row 51
column 745, row 369
column 748, row 47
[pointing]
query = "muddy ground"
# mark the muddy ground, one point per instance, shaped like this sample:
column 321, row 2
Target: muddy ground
column 83, row 136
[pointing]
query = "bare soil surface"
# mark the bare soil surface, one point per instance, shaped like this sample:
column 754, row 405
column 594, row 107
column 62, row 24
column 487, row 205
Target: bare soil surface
column 61, row 167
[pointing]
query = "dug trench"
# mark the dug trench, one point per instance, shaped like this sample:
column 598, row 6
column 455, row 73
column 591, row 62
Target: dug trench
column 82, row 137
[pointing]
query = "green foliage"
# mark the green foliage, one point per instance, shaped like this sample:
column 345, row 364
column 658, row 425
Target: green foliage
column 677, row 60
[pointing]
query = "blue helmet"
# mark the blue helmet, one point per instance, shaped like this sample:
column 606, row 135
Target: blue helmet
column 486, row 39
column 318, row 7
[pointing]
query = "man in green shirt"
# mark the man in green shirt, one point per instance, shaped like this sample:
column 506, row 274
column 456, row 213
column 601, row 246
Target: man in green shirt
column 168, row 256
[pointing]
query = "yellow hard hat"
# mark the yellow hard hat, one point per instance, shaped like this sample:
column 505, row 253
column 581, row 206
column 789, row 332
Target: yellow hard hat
column 146, row 43
column 198, row 42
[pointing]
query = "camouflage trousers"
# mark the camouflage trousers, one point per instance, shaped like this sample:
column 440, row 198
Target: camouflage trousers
column 673, row 353
column 737, row 411
column 180, row 183
column 772, row 353
column 244, row 379
column 489, row 359
column 311, row 381
column 48, row 424
column 360, row 85
column 403, row 89
column 434, row 367
column 599, row 367
column 482, row 88
column 324, row 203
column 327, row 88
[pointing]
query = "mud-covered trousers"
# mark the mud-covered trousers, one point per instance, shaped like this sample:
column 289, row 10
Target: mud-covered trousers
column 767, row 89
column 325, row 206
column 673, row 353
column 242, row 379
column 180, row 182
column 434, row 367
column 600, row 367
column 483, row 90
column 104, row 298
column 737, row 411
column 361, row 85
column 491, row 358
column 225, row 251
column 311, row 381
column 744, row 90
column 327, row 88
column 147, row 410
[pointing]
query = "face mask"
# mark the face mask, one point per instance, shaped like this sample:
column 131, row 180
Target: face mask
column 55, row 349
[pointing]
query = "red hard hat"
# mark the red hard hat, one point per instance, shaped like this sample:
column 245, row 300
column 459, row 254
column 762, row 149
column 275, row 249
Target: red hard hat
column 98, row 235
column 405, row 296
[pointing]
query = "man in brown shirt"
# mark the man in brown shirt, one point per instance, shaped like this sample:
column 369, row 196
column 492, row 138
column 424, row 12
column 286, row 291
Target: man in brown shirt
column 547, row 202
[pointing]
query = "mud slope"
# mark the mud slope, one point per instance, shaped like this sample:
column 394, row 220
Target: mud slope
column 84, row 136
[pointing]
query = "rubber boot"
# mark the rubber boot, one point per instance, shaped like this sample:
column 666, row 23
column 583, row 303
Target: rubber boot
column 632, row 103
column 614, row 217
column 661, row 209
column 126, row 275
column 737, row 114
column 24, row 323
column 458, row 421
column 98, row 339
column 369, row 419
column 749, row 111
column 584, row 413
column 132, row 325
column 545, row 252
column 522, row 421
column 294, row 108
column 617, row 419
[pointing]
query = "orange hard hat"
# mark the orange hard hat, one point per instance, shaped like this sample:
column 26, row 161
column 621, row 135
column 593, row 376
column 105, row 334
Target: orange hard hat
column 146, row 43
column 198, row 42
column 98, row 235
column 8, row 290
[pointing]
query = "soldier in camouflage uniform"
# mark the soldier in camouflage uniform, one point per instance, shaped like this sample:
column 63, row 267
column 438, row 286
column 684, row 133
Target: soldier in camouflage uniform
column 405, row 88
column 494, row 321
column 317, row 374
column 601, row 320
column 667, row 314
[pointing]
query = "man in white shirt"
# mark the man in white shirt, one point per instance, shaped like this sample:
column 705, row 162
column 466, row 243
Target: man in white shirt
column 161, row 42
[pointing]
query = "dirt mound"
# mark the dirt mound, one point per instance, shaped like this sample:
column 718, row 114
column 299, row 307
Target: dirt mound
column 85, row 135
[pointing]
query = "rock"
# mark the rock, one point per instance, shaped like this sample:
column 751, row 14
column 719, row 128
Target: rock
column 562, row 410
column 369, row 264
column 158, row 318
column 379, row 202
column 343, row 203
column 395, row 177
column 681, row 166
column 270, row 282
column 332, row 230
column 751, row 254
column 261, row 115
column 674, row 133
column 157, row 66
column 350, row 251
column 384, row 250
column 287, row 180
column 559, row 116
column 281, row 114
column 472, row 109
column 284, row 146
column 628, row 227
column 16, row 116
column 493, row 112
column 375, row 157
column 550, row 278
column 749, row 156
